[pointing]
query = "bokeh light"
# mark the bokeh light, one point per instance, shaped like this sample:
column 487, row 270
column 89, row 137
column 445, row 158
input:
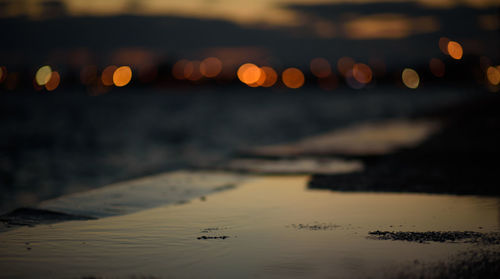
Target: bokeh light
column 493, row 75
column 211, row 67
column 122, row 76
column 362, row 73
column 344, row 65
column 443, row 44
column 410, row 78
column 437, row 67
column 178, row 69
column 43, row 75
column 293, row 78
column 320, row 67
column 455, row 50
column 3, row 73
column 271, row 76
column 54, row 81
column 249, row 74
column 192, row 70
column 107, row 75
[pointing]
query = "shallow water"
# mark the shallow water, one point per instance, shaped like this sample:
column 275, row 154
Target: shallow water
column 266, row 220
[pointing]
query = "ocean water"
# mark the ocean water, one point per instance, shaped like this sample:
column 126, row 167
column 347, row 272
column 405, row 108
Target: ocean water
column 66, row 142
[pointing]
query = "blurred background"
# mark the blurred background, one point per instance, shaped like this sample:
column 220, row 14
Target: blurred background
column 94, row 92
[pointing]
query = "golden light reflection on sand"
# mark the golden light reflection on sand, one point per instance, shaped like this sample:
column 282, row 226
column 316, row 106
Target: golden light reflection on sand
column 257, row 216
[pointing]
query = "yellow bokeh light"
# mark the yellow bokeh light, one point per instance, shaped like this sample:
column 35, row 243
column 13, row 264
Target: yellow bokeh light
column 211, row 67
column 293, row 78
column 43, row 75
column 344, row 65
column 320, row 67
column 271, row 76
column 455, row 50
column 122, row 76
column 249, row 73
column 107, row 75
column 493, row 75
column 362, row 73
column 410, row 78
column 54, row 81
column 437, row 67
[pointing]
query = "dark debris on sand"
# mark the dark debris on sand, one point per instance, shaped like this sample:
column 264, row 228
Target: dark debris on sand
column 436, row 236
column 469, row 264
column 213, row 237
column 457, row 160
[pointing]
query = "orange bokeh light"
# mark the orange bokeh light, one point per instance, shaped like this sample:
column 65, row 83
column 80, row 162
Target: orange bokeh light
column 53, row 82
column 443, row 44
column 3, row 73
column 192, row 70
column 493, row 75
column 362, row 73
column 437, row 67
column 293, row 78
column 270, row 76
column 344, row 65
column 178, row 69
column 249, row 74
column 122, row 76
column 211, row 67
column 107, row 75
column 455, row 50
column 320, row 67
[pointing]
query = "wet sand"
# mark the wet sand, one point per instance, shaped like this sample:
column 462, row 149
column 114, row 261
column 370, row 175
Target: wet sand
column 273, row 227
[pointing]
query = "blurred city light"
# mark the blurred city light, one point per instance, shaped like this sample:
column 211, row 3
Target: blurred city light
column 437, row 67
column 271, row 76
column 211, row 67
column 249, row 74
column 410, row 78
column 3, row 73
column 455, row 50
column 443, row 45
column 178, row 69
column 320, row 67
column 122, row 76
column 192, row 70
column 493, row 75
column 362, row 73
column 344, row 64
column 43, row 75
column 54, row 81
column 107, row 75
column 293, row 78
